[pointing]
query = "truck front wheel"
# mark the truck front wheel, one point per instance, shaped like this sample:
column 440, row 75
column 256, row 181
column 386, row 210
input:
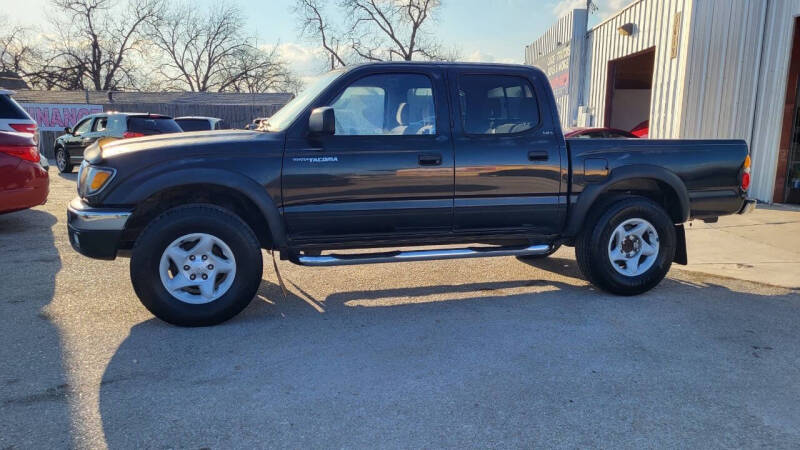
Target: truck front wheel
column 196, row 265
column 627, row 248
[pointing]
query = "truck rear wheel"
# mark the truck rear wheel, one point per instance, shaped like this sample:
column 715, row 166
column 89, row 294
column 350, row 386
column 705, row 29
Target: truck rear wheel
column 196, row 265
column 627, row 248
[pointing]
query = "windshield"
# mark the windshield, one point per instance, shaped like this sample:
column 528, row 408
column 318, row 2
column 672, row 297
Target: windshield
column 286, row 115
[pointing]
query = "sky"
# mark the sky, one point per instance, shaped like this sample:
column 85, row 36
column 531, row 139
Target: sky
column 481, row 30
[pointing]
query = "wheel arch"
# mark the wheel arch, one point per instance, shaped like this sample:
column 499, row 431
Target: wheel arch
column 235, row 192
column 656, row 183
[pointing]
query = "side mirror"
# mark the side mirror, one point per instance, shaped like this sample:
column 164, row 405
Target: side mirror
column 322, row 121
column 68, row 130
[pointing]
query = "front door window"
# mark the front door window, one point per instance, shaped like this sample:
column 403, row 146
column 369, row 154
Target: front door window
column 82, row 127
column 386, row 104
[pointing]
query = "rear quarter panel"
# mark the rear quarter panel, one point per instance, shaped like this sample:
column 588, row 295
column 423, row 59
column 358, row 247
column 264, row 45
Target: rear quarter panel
column 710, row 170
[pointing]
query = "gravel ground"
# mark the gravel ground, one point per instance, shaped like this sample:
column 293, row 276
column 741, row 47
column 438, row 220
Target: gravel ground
column 471, row 353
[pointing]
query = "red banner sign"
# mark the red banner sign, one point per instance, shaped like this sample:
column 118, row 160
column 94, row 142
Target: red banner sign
column 55, row 117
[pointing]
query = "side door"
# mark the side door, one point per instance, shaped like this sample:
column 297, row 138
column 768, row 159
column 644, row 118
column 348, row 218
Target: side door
column 75, row 143
column 387, row 170
column 510, row 155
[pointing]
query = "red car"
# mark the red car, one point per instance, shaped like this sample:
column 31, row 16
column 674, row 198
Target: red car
column 598, row 133
column 24, row 183
column 642, row 130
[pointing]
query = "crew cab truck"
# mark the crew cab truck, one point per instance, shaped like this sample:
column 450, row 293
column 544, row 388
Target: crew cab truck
column 398, row 155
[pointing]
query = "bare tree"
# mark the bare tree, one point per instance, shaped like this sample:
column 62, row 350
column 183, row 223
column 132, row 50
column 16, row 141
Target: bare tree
column 374, row 30
column 315, row 26
column 259, row 70
column 208, row 51
column 95, row 43
column 15, row 48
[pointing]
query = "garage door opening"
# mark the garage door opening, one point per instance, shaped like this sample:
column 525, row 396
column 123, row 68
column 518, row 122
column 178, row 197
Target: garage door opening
column 630, row 82
column 787, row 179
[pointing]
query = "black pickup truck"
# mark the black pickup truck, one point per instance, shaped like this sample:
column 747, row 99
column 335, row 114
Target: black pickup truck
column 468, row 160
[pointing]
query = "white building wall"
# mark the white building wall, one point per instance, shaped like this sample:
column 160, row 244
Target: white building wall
column 721, row 83
column 728, row 79
column 776, row 51
column 569, row 30
column 735, row 88
column 653, row 20
column 727, row 82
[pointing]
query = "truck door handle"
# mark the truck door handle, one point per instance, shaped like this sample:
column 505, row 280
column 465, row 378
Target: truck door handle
column 430, row 159
column 538, row 155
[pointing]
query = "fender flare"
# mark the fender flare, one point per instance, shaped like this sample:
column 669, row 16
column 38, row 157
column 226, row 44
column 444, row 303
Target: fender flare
column 224, row 178
column 588, row 198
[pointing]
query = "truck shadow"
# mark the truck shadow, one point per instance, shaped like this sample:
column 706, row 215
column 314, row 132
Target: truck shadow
column 447, row 365
column 32, row 378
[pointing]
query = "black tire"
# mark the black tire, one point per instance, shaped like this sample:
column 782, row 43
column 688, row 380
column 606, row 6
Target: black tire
column 180, row 221
column 543, row 255
column 62, row 160
column 591, row 246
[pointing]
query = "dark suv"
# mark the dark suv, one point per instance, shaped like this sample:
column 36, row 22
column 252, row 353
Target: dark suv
column 69, row 147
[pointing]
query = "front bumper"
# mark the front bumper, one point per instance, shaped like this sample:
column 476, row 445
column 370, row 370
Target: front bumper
column 95, row 232
column 748, row 206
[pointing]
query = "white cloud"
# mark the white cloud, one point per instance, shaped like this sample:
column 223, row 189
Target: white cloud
column 605, row 8
column 564, row 6
column 306, row 61
column 479, row 56
column 608, row 7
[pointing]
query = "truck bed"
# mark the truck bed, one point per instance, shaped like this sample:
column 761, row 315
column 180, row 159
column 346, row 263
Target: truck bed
column 711, row 170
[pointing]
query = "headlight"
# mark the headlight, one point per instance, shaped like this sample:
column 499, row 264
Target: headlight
column 92, row 180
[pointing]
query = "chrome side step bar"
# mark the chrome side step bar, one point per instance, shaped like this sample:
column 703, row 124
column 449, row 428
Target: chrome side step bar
column 335, row 259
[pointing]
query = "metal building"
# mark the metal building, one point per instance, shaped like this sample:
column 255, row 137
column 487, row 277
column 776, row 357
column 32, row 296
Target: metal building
column 695, row 69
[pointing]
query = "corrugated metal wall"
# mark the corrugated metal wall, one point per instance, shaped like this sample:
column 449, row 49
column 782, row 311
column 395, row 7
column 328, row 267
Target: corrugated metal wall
column 557, row 35
column 727, row 81
column 776, row 51
column 654, row 21
column 720, row 86
column 739, row 59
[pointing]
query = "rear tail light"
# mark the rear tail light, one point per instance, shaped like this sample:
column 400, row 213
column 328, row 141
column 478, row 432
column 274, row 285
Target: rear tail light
column 28, row 153
column 24, row 127
column 131, row 134
column 746, row 173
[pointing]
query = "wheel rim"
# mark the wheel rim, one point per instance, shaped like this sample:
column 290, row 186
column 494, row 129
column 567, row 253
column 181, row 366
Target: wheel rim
column 197, row 268
column 61, row 160
column 633, row 247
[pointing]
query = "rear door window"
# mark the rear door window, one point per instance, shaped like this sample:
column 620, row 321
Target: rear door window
column 10, row 109
column 100, row 124
column 152, row 125
column 497, row 104
column 193, row 124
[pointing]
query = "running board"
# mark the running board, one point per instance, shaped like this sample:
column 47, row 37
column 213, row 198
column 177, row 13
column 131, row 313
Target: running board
column 335, row 259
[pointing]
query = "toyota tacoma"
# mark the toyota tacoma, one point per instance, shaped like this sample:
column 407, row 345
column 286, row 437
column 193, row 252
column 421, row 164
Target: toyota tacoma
column 438, row 160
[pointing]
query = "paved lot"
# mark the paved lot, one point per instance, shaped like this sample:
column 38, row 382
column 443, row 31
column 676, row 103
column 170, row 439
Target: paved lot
column 472, row 353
